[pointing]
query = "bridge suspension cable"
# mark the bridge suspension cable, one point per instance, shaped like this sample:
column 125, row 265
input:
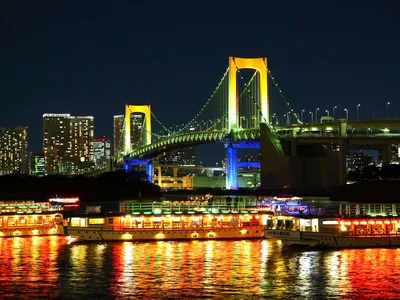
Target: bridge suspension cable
column 280, row 115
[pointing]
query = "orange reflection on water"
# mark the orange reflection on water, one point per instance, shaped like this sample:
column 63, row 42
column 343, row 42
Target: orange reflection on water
column 29, row 264
column 373, row 273
column 49, row 267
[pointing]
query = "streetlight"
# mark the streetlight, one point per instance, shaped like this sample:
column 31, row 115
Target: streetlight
column 312, row 116
column 302, row 115
column 347, row 113
column 284, row 117
column 241, row 121
column 327, row 112
column 316, row 115
column 333, row 112
column 387, row 110
column 358, row 106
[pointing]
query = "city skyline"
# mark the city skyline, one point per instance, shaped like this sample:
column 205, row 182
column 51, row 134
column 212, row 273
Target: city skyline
column 95, row 66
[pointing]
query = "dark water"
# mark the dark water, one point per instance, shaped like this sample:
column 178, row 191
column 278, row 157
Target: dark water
column 48, row 268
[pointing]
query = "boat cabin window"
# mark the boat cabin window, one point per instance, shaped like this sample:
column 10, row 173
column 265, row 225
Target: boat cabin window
column 11, row 222
column 1, row 222
column 110, row 220
column 97, row 221
column 21, row 222
column 78, row 222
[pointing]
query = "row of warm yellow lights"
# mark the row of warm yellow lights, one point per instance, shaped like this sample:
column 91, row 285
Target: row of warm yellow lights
column 33, row 232
column 368, row 222
column 179, row 218
column 26, row 217
column 127, row 236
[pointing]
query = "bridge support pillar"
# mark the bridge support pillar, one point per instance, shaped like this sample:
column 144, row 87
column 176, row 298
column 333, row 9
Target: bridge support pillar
column 231, row 168
column 175, row 172
column 159, row 175
column 386, row 155
column 149, row 171
column 294, row 147
column 342, row 162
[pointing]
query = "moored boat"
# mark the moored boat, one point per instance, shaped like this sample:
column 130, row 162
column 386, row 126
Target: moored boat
column 364, row 225
column 170, row 220
column 29, row 219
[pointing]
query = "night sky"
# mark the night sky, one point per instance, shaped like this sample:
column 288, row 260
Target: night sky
column 92, row 57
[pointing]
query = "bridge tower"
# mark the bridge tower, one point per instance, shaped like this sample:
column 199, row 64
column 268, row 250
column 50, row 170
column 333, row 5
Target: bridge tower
column 235, row 64
column 129, row 110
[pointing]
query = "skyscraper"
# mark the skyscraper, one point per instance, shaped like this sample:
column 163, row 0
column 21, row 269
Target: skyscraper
column 82, row 139
column 56, row 143
column 37, row 165
column 68, row 143
column 138, row 132
column 119, row 141
column 13, row 150
column 102, row 149
column 182, row 157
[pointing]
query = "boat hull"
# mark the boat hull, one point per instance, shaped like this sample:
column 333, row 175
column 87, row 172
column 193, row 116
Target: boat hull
column 32, row 231
column 93, row 234
column 321, row 240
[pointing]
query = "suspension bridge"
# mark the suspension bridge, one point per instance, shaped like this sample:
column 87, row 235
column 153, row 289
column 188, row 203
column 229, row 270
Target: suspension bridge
column 246, row 96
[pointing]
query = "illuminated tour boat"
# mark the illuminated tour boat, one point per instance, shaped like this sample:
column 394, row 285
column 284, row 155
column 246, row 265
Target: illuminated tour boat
column 28, row 218
column 356, row 225
column 193, row 219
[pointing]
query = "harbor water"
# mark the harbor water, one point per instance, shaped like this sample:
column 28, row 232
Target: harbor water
column 50, row 267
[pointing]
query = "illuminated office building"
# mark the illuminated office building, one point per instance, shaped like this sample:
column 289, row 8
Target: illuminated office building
column 119, row 141
column 56, row 143
column 102, row 149
column 82, row 139
column 13, row 150
column 68, row 143
column 138, row 130
column 182, row 157
column 37, row 165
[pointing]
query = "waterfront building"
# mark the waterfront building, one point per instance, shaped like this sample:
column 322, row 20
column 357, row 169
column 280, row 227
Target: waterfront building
column 37, row 165
column 68, row 143
column 102, row 149
column 82, row 139
column 358, row 160
column 119, row 141
column 138, row 132
column 56, row 144
column 182, row 157
column 395, row 153
column 13, row 150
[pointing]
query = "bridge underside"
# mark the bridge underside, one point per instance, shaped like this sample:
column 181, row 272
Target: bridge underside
column 281, row 154
column 193, row 139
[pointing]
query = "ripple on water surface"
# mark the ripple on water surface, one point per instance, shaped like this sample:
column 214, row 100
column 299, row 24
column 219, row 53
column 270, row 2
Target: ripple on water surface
column 39, row 267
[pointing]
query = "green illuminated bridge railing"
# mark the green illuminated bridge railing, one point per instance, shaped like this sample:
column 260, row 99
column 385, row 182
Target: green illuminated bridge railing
column 249, row 135
column 195, row 138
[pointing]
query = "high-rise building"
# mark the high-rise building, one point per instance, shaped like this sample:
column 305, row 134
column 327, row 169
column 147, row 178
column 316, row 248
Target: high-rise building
column 13, row 150
column 68, row 143
column 182, row 157
column 102, row 149
column 82, row 139
column 138, row 132
column 56, row 143
column 37, row 165
column 119, row 141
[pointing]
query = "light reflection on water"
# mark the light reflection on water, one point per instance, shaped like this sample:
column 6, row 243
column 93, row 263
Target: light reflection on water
column 41, row 267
